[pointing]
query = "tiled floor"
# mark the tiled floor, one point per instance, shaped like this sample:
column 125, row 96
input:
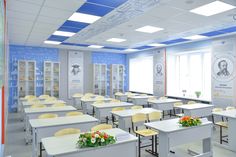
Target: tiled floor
column 15, row 145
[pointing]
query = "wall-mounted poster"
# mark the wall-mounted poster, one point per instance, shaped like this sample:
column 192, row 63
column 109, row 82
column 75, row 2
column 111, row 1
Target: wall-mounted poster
column 75, row 73
column 223, row 72
column 159, row 73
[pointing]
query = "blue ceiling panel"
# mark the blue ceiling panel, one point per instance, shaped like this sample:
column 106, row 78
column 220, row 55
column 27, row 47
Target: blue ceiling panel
column 57, row 38
column 71, row 44
column 82, row 45
column 113, row 48
column 110, row 3
column 69, row 29
column 144, row 47
column 75, row 24
column 174, row 41
column 213, row 33
column 228, row 30
column 94, row 9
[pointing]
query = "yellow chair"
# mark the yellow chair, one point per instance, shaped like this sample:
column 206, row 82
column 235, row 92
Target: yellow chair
column 101, row 127
column 47, row 115
column 230, row 108
column 152, row 98
column 138, row 120
column 118, row 93
column 191, row 102
column 78, row 95
column 38, row 106
column 114, row 100
column 181, row 111
column 99, row 97
column 114, row 118
column 50, row 99
column 163, row 98
column 154, row 116
column 74, row 113
column 34, row 101
column 58, row 105
column 136, row 107
column 67, row 131
column 88, row 94
column 222, row 124
column 44, row 96
column 99, row 102
column 128, row 93
column 30, row 97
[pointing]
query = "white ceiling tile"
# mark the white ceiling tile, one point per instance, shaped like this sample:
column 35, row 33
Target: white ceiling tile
column 188, row 4
column 55, row 13
column 51, row 20
column 72, row 5
column 20, row 23
column 23, row 7
column 38, row 2
column 20, row 15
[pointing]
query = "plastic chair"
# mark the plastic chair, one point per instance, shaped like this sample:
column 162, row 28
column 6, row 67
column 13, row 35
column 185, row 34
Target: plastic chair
column 58, row 105
column 78, row 95
column 118, row 93
column 67, row 131
column 38, row 106
column 114, row 119
column 191, row 102
column 136, row 107
column 44, row 96
column 230, row 108
column 154, row 116
column 47, row 115
column 74, row 113
column 163, row 98
column 114, row 100
column 30, row 97
column 176, row 105
column 101, row 127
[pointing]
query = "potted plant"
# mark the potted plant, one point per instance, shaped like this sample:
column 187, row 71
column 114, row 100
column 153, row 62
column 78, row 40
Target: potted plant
column 198, row 93
column 188, row 121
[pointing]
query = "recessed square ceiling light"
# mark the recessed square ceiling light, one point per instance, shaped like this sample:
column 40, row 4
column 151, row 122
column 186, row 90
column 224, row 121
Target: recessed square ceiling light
column 195, row 37
column 86, row 18
column 131, row 50
column 96, row 46
column 63, row 33
column 116, row 40
column 149, row 29
column 52, row 42
column 213, row 8
column 156, row 44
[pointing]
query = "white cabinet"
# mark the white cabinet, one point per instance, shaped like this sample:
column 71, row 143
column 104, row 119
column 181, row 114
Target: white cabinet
column 100, row 79
column 51, row 78
column 26, row 78
column 117, row 79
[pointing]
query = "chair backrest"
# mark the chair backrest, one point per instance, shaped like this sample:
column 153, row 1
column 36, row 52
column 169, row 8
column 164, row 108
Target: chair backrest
column 58, row 105
column 34, row 101
column 67, row 131
column 191, row 102
column 99, row 102
column 128, row 93
column 178, row 104
column 118, row 93
column 74, row 113
column 101, row 127
column 99, row 97
column 30, row 97
column 217, row 109
column 88, row 94
column 50, row 99
column 135, row 107
column 38, row 106
column 154, row 116
column 47, row 115
column 78, row 95
column 138, row 120
column 44, row 96
column 163, row 98
column 115, row 100
column 230, row 108
column 118, row 109
column 152, row 98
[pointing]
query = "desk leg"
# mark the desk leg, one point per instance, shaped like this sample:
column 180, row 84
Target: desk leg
column 163, row 145
column 206, row 145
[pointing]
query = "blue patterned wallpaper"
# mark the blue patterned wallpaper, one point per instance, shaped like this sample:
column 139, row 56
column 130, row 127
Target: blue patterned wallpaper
column 108, row 59
column 38, row 54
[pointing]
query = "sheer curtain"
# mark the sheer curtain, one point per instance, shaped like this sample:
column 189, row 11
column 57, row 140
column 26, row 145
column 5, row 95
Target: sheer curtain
column 141, row 74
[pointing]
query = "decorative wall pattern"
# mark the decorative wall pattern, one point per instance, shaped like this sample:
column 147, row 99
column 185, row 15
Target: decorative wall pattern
column 27, row 53
column 111, row 58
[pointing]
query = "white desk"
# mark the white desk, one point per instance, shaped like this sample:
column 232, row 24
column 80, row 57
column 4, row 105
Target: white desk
column 103, row 110
column 33, row 113
column 47, row 103
column 86, row 104
column 47, row 127
column 65, row 146
column 124, row 97
column 172, row 134
column 163, row 104
column 197, row 110
column 231, row 115
column 77, row 101
column 139, row 99
column 124, row 117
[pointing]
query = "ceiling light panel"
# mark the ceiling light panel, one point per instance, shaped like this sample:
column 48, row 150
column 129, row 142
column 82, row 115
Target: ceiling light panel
column 213, row 8
column 96, row 46
column 86, row 18
column 195, row 37
column 156, row 44
column 52, row 42
column 116, row 40
column 131, row 50
column 63, row 33
column 149, row 29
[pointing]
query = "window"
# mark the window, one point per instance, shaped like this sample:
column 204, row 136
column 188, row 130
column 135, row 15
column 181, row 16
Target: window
column 141, row 74
column 189, row 72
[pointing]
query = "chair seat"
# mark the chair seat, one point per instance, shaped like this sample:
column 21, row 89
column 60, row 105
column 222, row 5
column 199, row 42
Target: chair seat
column 146, row 132
column 222, row 124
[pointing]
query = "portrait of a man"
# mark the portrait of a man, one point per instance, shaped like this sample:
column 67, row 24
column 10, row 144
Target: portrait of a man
column 223, row 68
column 159, row 70
column 75, row 69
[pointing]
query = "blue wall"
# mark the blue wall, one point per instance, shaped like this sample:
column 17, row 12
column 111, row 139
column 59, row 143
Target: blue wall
column 38, row 54
column 108, row 59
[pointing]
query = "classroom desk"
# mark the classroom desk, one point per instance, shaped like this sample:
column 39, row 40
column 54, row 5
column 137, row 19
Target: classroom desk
column 124, row 117
column 197, row 110
column 26, row 104
column 33, row 113
column 47, row 127
column 231, row 115
column 103, row 110
column 172, row 134
column 163, row 104
column 77, row 101
column 124, row 97
column 139, row 99
column 86, row 104
column 65, row 146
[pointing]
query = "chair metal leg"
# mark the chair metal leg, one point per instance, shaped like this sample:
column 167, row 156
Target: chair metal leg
column 221, row 135
column 40, row 149
column 139, row 147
